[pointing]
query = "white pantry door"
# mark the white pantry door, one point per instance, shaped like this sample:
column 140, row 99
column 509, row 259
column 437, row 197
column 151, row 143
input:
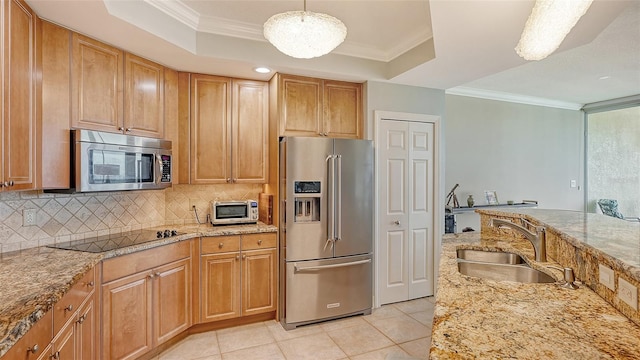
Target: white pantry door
column 405, row 166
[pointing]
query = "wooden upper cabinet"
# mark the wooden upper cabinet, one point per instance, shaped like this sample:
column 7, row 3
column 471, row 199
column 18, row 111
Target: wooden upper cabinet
column 317, row 107
column 144, row 97
column 228, row 130
column 342, row 109
column 19, row 100
column 96, row 85
column 115, row 91
column 210, row 129
column 301, row 106
column 249, row 131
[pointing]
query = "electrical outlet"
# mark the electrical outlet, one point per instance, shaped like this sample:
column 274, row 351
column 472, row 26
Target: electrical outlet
column 628, row 293
column 606, row 277
column 28, row 217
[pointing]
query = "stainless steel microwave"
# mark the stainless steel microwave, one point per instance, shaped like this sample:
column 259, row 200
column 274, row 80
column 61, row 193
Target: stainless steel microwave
column 234, row 212
column 111, row 162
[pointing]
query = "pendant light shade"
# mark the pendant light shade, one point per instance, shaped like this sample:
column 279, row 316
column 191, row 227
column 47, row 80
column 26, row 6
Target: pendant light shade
column 549, row 23
column 304, row 34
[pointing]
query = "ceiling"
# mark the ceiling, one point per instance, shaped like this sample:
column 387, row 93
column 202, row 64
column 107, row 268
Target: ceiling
column 462, row 46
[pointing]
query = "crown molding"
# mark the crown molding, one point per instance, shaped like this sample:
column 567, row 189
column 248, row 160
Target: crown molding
column 177, row 10
column 514, row 98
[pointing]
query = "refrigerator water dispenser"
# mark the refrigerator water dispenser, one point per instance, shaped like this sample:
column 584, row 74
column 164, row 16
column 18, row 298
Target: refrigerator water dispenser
column 307, row 209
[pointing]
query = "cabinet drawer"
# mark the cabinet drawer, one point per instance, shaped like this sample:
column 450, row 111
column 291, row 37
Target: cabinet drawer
column 258, row 241
column 144, row 260
column 220, row 244
column 36, row 339
column 64, row 309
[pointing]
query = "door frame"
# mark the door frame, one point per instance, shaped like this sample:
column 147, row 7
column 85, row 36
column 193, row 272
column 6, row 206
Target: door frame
column 438, row 192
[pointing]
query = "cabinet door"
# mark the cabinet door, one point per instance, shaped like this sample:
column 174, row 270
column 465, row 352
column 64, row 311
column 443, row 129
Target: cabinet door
column 96, row 85
column 210, row 130
column 258, row 281
column 342, row 109
column 19, row 126
column 300, row 105
column 64, row 345
column 172, row 300
column 220, row 286
column 250, row 129
column 126, row 317
column 144, row 97
column 86, row 331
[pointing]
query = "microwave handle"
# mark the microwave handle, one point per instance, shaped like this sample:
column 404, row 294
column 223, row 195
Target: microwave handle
column 158, row 169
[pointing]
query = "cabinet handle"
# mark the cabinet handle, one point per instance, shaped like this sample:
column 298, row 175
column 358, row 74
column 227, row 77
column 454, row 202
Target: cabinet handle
column 56, row 355
column 69, row 308
column 152, row 275
column 237, row 257
column 34, row 349
column 128, row 130
column 244, row 256
column 121, row 129
column 228, row 180
column 11, row 183
column 6, row 183
column 260, row 242
column 220, row 245
column 82, row 318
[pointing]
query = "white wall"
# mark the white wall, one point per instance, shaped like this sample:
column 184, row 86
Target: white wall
column 520, row 151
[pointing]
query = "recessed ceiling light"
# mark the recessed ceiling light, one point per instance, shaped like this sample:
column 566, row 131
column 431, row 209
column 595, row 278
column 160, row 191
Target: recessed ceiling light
column 604, row 77
column 262, row 70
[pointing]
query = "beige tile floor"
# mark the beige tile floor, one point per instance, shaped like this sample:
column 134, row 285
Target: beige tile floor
column 400, row 331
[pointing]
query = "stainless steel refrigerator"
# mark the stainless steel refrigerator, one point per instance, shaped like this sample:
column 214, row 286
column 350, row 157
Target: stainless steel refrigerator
column 326, row 229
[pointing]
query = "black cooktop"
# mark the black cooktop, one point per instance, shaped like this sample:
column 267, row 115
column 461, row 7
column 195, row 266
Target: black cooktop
column 104, row 243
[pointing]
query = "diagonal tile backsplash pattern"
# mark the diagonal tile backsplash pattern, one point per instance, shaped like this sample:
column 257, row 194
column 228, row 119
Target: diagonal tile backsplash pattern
column 65, row 217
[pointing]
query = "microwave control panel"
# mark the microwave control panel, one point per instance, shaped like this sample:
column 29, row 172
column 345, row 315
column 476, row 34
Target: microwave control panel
column 166, row 168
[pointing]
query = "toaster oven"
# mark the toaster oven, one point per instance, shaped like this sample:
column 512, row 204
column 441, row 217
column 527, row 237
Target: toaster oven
column 234, row 212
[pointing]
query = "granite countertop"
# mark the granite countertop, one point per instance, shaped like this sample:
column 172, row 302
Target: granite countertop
column 480, row 318
column 31, row 281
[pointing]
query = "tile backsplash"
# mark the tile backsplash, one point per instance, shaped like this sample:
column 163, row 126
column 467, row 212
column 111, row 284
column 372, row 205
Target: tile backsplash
column 65, row 217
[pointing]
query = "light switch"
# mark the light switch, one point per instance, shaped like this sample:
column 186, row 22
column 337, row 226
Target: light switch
column 573, row 183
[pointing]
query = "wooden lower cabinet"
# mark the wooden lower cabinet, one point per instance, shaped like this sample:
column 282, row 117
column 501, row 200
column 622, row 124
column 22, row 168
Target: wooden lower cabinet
column 126, row 317
column 220, row 286
column 238, row 283
column 259, row 281
column 145, row 309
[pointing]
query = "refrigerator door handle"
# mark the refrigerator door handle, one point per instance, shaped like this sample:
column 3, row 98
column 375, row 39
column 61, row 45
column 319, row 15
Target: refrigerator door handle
column 338, row 208
column 332, row 266
column 331, row 198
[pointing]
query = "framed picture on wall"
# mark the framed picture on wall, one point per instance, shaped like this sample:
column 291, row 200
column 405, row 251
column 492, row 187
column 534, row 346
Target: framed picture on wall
column 492, row 197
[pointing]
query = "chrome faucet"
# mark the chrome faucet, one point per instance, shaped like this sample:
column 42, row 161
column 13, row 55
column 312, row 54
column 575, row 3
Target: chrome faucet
column 538, row 240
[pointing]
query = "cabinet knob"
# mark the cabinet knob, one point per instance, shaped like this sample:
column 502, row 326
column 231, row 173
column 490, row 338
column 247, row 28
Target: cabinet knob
column 220, row 245
column 121, row 129
column 260, row 242
column 56, row 355
column 90, row 284
column 397, row 222
column 244, row 256
column 11, row 183
column 33, row 349
column 228, row 180
column 151, row 276
column 237, row 257
column 69, row 308
column 82, row 318
column 128, row 130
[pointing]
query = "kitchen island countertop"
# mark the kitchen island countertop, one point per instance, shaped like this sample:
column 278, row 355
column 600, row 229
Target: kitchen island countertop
column 478, row 318
column 32, row 280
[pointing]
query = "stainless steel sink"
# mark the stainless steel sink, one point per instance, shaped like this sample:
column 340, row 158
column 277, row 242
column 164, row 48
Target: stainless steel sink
column 496, row 257
column 503, row 272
